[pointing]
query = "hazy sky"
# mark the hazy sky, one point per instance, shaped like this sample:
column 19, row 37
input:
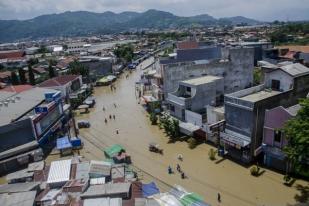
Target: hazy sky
column 257, row 9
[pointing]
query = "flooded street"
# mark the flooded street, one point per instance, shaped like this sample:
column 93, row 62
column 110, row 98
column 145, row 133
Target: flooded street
column 205, row 177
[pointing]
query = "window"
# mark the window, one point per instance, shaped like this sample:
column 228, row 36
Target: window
column 277, row 136
column 172, row 108
column 188, row 89
column 275, row 84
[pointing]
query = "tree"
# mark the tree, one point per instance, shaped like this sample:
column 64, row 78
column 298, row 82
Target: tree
column 51, row 71
column 33, row 61
column 22, row 76
column 296, row 131
column 212, row 154
column 31, row 75
column 78, row 68
column 14, row 78
column 124, row 52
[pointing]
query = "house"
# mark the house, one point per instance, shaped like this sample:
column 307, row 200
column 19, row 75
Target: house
column 194, row 95
column 273, row 137
column 234, row 64
column 245, row 109
column 67, row 84
column 13, row 58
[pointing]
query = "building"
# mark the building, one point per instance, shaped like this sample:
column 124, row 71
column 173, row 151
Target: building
column 77, row 47
column 194, row 95
column 98, row 66
column 235, row 65
column 28, row 120
column 67, row 84
column 245, row 109
column 13, row 58
column 273, row 137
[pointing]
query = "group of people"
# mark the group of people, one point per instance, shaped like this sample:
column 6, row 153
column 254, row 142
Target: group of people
column 178, row 168
column 111, row 117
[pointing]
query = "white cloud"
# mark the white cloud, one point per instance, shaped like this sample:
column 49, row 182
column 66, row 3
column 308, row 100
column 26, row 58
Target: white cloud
column 258, row 9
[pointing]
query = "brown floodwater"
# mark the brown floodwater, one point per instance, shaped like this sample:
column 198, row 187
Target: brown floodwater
column 205, row 177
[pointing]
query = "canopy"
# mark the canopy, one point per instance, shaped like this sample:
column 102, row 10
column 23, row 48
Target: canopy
column 150, row 189
column 113, row 150
column 63, row 143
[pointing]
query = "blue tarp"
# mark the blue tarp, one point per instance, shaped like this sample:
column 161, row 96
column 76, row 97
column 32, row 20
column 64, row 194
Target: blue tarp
column 150, row 189
column 63, row 143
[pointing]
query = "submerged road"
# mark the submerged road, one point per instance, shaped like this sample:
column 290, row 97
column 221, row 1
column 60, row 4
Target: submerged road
column 205, row 177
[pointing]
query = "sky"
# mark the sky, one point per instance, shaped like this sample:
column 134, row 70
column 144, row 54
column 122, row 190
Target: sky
column 265, row 10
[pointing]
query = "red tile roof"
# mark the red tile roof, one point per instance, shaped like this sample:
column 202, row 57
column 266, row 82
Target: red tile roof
column 14, row 54
column 17, row 88
column 187, row 45
column 39, row 70
column 58, row 81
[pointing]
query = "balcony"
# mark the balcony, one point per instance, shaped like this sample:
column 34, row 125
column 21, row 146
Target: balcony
column 180, row 101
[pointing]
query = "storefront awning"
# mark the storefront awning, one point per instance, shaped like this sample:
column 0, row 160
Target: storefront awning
column 233, row 138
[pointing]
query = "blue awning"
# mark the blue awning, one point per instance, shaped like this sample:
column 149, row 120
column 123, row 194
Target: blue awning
column 150, row 189
column 63, row 143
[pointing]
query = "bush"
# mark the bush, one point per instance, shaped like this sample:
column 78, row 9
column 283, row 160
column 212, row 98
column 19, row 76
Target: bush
column 254, row 170
column 286, row 178
column 153, row 118
column 192, row 143
column 212, row 154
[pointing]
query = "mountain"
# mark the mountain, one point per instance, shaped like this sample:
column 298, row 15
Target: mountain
column 240, row 20
column 81, row 23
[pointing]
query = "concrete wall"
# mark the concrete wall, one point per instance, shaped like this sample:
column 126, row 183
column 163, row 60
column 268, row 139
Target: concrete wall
column 194, row 118
column 237, row 73
column 286, row 81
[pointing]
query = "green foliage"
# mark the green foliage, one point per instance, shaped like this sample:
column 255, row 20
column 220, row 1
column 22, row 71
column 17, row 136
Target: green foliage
column 124, row 52
column 14, row 78
column 51, row 71
column 31, row 75
column 153, row 118
column 170, row 126
column 33, row 61
column 192, row 142
column 254, row 170
column 280, row 36
column 22, row 76
column 257, row 76
column 212, row 154
column 78, row 68
column 296, row 131
column 42, row 49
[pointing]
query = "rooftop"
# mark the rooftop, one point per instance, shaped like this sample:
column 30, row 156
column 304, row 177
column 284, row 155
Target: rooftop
column 18, row 199
column 17, row 88
column 201, row 80
column 58, row 81
column 15, row 105
column 293, row 109
column 259, row 95
column 295, row 70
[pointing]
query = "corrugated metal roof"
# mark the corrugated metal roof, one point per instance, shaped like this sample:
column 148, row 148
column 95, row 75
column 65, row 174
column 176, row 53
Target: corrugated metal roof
column 100, row 168
column 103, row 202
column 106, row 189
column 82, row 170
column 295, row 70
column 59, row 171
column 18, row 199
column 18, row 187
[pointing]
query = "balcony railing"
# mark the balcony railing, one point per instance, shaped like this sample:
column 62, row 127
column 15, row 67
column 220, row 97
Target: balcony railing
column 185, row 102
